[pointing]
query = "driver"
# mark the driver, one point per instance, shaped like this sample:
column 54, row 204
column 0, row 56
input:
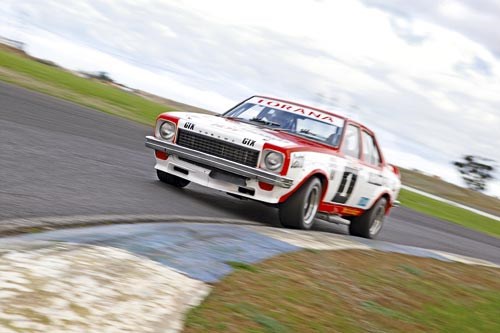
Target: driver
column 279, row 117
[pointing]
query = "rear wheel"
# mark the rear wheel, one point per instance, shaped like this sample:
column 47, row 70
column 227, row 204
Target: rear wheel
column 171, row 179
column 300, row 209
column 370, row 223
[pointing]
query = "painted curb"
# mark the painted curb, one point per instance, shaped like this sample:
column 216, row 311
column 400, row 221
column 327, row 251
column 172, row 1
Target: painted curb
column 17, row 226
column 299, row 238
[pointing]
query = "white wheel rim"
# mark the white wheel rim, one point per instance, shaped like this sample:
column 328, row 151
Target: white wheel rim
column 377, row 222
column 311, row 205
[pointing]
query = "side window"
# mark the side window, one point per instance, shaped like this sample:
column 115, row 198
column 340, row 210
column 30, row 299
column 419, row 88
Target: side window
column 350, row 147
column 371, row 154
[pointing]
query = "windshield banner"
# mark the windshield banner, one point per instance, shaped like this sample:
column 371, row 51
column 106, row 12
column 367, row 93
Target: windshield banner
column 297, row 109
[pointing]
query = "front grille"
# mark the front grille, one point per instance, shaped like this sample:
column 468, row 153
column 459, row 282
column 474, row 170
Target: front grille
column 219, row 148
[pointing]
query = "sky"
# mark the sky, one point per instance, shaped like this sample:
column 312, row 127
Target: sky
column 424, row 75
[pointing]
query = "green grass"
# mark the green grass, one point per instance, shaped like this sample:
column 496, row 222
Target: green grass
column 29, row 73
column 241, row 265
column 449, row 213
column 451, row 192
column 352, row 291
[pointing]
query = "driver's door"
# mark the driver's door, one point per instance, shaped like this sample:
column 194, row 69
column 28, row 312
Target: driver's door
column 347, row 189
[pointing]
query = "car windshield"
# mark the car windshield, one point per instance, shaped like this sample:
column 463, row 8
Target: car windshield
column 304, row 122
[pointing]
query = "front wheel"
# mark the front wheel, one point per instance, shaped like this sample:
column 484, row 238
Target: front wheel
column 370, row 223
column 171, row 179
column 300, row 209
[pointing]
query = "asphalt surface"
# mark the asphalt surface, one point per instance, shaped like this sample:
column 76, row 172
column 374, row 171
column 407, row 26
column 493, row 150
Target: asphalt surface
column 59, row 159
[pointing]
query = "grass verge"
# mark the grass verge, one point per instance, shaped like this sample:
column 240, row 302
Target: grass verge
column 449, row 213
column 352, row 291
column 21, row 70
column 451, row 192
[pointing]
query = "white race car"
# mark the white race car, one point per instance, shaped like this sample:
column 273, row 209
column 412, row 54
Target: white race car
column 307, row 162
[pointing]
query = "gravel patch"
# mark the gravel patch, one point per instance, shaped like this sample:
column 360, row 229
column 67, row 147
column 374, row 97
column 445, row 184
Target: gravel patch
column 73, row 288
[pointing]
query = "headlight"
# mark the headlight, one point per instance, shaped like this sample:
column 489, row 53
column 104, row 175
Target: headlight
column 167, row 130
column 273, row 160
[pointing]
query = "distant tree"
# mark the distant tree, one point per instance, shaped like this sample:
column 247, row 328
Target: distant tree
column 103, row 76
column 476, row 171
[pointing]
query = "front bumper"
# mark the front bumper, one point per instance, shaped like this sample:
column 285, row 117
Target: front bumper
column 218, row 163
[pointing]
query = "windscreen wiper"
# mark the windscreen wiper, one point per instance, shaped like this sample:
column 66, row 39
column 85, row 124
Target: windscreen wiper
column 265, row 122
column 255, row 120
column 308, row 132
column 301, row 131
column 285, row 130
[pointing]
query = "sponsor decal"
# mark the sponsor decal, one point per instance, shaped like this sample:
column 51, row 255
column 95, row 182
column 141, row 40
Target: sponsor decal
column 226, row 127
column 389, row 182
column 375, row 179
column 350, row 211
column 248, row 142
column 298, row 161
column 310, row 113
column 363, row 201
column 347, row 211
column 189, row 126
column 332, row 166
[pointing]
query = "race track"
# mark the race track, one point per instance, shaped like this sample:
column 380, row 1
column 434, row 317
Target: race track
column 58, row 158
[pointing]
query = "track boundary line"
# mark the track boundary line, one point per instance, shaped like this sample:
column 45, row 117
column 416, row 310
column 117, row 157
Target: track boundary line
column 450, row 202
column 17, row 226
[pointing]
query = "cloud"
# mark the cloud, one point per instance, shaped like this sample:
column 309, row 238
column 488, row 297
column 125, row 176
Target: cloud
column 477, row 65
column 475, row 19
column 403, row 27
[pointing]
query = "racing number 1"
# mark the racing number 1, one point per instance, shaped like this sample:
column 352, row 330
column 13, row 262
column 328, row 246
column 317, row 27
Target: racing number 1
column 346, row 185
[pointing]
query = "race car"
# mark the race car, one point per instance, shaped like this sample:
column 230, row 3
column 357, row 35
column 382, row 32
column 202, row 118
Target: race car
column 309, row 163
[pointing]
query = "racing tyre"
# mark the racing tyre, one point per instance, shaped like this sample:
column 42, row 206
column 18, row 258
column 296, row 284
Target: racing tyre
column 370, row 223
column 171, row 179
column 300, row 209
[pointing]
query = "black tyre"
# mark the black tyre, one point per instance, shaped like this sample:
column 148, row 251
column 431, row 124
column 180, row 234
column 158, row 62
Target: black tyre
column 370, row 223
column 171, row 179
column 300, row 209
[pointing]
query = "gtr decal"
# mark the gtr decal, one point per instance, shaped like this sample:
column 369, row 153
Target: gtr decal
column 248, row 142
column 189, row 126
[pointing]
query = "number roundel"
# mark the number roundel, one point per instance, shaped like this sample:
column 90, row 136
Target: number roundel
column 346, row 187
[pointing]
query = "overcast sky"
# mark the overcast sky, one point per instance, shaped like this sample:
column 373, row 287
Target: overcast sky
column 425, row 75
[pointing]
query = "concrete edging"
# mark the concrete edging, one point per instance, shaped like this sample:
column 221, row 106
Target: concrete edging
column 11, row 227
column 299, row 238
